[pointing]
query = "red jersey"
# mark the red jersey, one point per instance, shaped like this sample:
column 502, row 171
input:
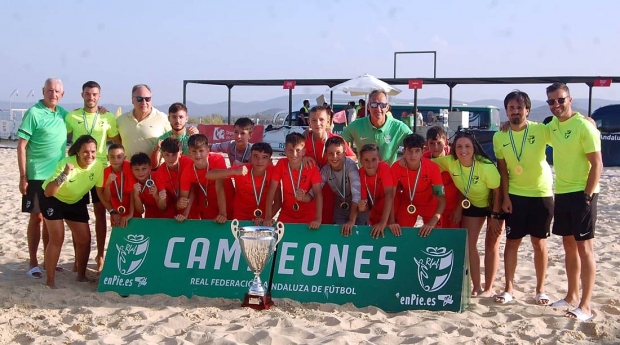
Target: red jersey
column 423, row 199
column 172, row 182
column 373, row 189
column 123, row 186
column 206, row 196
column 316, row 149
column 151, row 210
column 309, row 177
column 247, row 191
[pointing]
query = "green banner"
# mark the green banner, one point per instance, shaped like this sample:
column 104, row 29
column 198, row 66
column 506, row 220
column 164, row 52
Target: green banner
column 202, row 258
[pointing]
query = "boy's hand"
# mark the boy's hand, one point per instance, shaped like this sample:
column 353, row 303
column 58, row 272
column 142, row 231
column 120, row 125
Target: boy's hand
column 347, row 228
column 182, row 203
column 242, row 171
column 308, row 161
column 378, row 230
column 180, row 218
column 221, row 218
column 137, row 187
column 315, row 224
column 191, row 130
column 268, row 221
column 111, row 179
column 299, row 194
column 162, row 194
column 125, row 220
column 395, row 229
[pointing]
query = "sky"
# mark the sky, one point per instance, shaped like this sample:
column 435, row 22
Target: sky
column 161, row 43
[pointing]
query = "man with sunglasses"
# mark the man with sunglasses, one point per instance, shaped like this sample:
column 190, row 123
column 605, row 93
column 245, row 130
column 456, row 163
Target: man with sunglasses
column 143, row 124
column 378, row 128
column 578, row 165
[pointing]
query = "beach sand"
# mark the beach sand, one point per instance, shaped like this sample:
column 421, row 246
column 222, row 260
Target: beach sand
column 77, row 314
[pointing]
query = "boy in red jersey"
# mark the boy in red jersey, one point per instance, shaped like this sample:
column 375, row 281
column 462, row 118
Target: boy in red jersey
column 210, row 195
column 118, row 184
column 378, row 190
column 298, row 204
column 319, row 121
column 437, row 143
column 251, row 184
column 420, row 181
column 170, row 173
column 149, row 193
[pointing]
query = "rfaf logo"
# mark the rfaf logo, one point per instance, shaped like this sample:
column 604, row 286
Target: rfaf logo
column 435, row 268
column 219, row 133
column 132, row 254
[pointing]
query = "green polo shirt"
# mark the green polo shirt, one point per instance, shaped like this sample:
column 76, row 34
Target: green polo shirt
column 46, row 134
column 81, row 123
column 387, row 137
column 183, row 138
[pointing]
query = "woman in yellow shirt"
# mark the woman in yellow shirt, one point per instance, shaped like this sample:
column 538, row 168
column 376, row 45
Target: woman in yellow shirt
column 477, row 178
column 75, row 176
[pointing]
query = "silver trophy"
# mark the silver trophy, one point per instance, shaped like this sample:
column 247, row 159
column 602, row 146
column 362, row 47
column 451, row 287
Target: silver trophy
column 258, row 244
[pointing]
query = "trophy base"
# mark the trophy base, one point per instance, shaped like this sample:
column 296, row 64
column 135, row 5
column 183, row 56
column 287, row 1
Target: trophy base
column 257, row 302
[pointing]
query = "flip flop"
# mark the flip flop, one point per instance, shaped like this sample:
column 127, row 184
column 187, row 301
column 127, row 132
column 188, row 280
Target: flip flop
column 35, row 273
column 578, row 314
column 543, row 299
column 503, row 298
column 561, row 304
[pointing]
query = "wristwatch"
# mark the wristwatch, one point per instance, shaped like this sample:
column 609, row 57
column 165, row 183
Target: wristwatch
column 495, row 215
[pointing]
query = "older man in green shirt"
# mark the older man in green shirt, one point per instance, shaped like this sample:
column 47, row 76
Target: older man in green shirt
column 42, row 143
column 386, row 132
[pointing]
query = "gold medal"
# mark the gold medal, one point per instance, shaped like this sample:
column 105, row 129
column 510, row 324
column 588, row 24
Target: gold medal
column 411, row 209
column 121, row 209
column 518, row 170
column 258, row 213
column 295, row 207
column 466, row 203
column 344, row 205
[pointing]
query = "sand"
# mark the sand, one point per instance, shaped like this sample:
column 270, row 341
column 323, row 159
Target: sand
column 77, row 314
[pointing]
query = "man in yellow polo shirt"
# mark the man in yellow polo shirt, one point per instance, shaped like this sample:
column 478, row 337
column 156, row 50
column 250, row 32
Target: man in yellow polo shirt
column 143, row 124
column 526, row 183
column 578, row 165
column 102, row 127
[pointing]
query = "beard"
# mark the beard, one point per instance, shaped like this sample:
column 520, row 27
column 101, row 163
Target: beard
column 516, row 120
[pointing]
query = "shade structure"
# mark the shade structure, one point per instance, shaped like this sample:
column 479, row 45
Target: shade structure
column 365, row 84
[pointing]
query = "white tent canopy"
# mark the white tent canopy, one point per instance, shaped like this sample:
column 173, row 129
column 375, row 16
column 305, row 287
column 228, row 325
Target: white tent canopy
column 364, row 85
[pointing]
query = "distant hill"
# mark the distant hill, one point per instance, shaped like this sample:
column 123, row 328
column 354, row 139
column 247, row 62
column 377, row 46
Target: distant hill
column 270, row 106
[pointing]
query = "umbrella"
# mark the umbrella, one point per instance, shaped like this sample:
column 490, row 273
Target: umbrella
column 364, row 85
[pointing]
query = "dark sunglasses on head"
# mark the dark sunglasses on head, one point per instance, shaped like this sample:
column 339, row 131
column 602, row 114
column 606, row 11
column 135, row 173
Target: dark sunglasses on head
column 143, row 99
column 560, row 100
column 377, row 104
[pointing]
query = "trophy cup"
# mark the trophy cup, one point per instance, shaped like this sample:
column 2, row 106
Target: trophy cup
column 258, row 243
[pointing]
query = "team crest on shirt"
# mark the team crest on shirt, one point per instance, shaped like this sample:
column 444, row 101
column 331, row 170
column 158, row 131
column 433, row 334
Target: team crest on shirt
column 91, row 176
column 531, row 139
column 567, row 134
column 387, row 138
column 476, row 179
column 425, row 178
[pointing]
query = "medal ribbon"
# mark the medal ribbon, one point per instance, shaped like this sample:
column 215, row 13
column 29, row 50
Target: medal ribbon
column 415, row 185
column 244, row 152
column 90, row 132
column 372, row 197
column 120, row 194
column 176, row 191
column 344, row 183
column 471, row 177
column 204, row 189
column 514, row 146
column 290, row 174
column 260, row 195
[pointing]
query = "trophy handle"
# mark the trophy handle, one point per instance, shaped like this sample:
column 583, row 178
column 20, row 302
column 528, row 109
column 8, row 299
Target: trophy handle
column 280, row 232
column 234, row 227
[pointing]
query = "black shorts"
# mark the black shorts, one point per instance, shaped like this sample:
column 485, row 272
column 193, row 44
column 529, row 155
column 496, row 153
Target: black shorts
column 34, row 193
column 574, row 217
column 476, row 212
column 54, row 209
column 92, row 197
column 530, row 216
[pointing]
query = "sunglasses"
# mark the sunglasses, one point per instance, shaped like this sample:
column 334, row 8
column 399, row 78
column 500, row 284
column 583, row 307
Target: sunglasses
column 560, row 100
column 143, row 99
column 377, row 104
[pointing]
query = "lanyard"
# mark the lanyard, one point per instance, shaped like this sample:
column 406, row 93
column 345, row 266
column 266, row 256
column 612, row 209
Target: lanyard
column 259, row 196
column 204, row 189
column 176, row 191
column 344, row 183
column 514, row 146
column 247, row 147
column 471, row 177
column 90, row 132
column 290, row 174
column 373, row 196
column 120, row 193
column 415, row 185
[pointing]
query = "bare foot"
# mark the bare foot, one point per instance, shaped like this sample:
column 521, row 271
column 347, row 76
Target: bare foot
column 84, row 279
column 476, row 292
column 486, row 293
column 99, row 261
column 51, row 285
